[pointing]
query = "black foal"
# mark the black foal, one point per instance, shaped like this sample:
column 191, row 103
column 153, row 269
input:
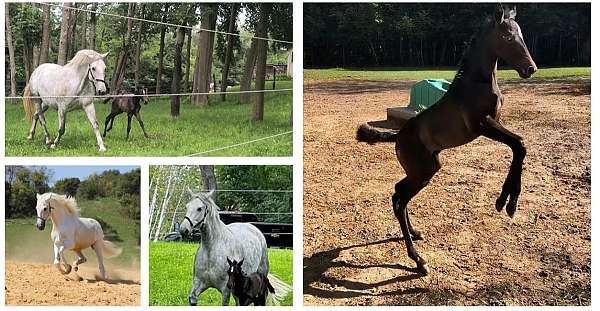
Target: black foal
column 131, row 105
column 247, row 290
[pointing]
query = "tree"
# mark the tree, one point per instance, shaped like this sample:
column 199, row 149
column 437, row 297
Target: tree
column 68, row 186
column 45, row 48
column 209, row 181
column 122, row 59
column 175, row 83
column 91, row 44
column 138, row 47
column 203, row 69
column 11, row 51
column 188, row 61
column 161, row 53
column 64, row 34
column 229, row 50
column 246, row 80
column 261, row 64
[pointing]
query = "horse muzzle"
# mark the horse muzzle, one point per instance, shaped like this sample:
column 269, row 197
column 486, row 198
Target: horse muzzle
column 40, row 224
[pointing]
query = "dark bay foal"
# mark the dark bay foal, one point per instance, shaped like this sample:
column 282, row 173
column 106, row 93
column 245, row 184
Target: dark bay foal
column 246, row 290
column 470, row 108
column 131, row 105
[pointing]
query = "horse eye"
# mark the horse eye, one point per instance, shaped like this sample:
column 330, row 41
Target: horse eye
column 45, row 209
column 94, row 68
column 199, row 209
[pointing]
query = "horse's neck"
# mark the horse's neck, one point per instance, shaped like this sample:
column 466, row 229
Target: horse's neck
column 60, row 216
column 479, row 65
column 81, row 72
column 213, row 229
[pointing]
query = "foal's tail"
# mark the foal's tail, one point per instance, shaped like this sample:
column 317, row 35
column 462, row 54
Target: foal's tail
column 110, row 250
column 28, row 104
column 278, row 288
column 371, row 135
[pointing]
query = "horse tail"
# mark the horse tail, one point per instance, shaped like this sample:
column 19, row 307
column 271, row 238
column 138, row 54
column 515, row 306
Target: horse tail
column 109, row 249
column 28, row 105
column 278, row 288
column 371, row 135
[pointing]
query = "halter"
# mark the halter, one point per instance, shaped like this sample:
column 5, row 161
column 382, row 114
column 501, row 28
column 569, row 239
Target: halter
column 50, row 208
column 200, row 223
column 94, row 80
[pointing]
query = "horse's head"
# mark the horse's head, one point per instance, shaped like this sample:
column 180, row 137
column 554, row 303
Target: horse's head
column 43, row 209
column 198, row 211
column 140, row 90
column 234, row 270
column 96, row 74
column 508, row 42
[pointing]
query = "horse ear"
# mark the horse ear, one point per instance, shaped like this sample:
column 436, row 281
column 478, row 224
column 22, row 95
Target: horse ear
column 499, row 14
column 190, row 191
column 512, row 14
column 104, row 55
column 229, row 261
column 37, row 196
column 241, row 262
column 211, row 193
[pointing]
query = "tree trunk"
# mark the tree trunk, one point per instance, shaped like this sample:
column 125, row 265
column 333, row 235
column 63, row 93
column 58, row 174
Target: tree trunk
column 83, row 40
column 122, row 59
column 136, row 69
column 229, row 49
column 163, row 208
column 71, row 38
column 188, row 61
column 175, row 84
column 203, row 68
column 161, row 52
column 92, row 37
column 261, row 64
column 45, row 35
column 209, row 181
column 64, row 34
column 161, row 55
column 246, row 80
column 11, row 52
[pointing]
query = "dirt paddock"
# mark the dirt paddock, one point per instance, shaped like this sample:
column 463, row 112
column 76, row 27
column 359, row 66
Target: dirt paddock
column 477, row 256
column 41, row 284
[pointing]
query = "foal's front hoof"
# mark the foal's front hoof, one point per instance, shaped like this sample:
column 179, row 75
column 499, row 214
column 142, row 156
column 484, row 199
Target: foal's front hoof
column 192, row 300
column 416, row 235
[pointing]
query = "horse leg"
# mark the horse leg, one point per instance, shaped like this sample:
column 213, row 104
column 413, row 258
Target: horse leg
column 512, row 184
column 35, row 122
column 420, row 165
column 108, row 120
column 98, row 249
column 415, row 234
column 129, row 116
column 62, row 114
column 197, row 288
column 61, row 256
column 42, row 119
column 80, row 259
column 90, row 111
column 226, row 293
column 139, row 118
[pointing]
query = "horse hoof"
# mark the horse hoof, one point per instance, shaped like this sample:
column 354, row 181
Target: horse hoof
column 192, row 301
column 52, row 146
column 423, row 269
column 500, row 202
column 102, row 149
column 29, row 137
column 417, row 236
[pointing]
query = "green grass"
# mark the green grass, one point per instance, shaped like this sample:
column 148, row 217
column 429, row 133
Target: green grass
column 196, row 130
column 171, row 267
column 425, row 73
column 24, row 242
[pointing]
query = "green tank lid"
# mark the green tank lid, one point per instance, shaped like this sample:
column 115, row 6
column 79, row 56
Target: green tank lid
column 427, row 92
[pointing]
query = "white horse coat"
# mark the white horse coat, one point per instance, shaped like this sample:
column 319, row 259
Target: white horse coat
column 219, row 242
column 82, row 76
column 70, row 232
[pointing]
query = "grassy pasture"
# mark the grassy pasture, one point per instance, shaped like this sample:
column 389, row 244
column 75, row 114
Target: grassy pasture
column 196, row 130
column 171, row 265
column 425, row 73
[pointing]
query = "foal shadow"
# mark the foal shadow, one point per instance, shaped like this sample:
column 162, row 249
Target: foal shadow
column 316, row 265
column 114, row 281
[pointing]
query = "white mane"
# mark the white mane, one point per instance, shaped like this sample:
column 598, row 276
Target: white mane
column 84, row 57
column 68, row 203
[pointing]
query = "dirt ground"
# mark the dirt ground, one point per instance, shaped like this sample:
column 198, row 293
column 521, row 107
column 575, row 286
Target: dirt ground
column 42, row 284
column 477, row 256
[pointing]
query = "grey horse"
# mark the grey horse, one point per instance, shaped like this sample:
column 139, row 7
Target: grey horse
column 219, row 242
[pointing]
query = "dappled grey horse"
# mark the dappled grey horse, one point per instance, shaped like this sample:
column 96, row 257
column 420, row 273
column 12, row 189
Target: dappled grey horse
column 51, row 85
column 470, row 108
column 219, row 242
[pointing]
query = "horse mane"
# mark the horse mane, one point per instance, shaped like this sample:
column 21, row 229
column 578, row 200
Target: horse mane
column 470, row 47
column 68, row 203
column 82, row 58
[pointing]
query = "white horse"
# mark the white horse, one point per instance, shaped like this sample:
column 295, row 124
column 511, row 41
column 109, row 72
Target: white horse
column 82, row 76
column 70, row 232
column 219, row 242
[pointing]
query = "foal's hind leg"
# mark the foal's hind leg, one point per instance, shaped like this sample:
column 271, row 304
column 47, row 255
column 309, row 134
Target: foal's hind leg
column 139, row 118
column 420, row 165
column 129, row 116
column 415, row 234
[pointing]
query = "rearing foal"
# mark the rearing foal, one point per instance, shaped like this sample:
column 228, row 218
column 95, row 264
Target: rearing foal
column 469, row 109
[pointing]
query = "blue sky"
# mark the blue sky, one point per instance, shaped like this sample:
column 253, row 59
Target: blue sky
column 82, row 172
